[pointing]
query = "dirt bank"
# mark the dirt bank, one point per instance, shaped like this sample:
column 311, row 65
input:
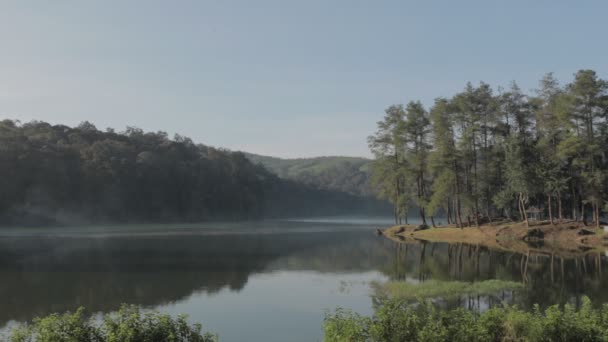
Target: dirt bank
column 566, row 238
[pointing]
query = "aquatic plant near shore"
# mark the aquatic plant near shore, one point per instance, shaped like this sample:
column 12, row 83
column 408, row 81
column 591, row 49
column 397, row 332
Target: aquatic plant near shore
column 129, row 324
column 441, row 289
column 399, row 321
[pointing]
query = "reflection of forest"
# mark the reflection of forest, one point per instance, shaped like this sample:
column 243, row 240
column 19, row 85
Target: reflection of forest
column 548, row 278
column 43, row 275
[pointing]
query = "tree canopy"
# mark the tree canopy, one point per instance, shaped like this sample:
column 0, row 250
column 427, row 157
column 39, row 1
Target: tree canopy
column 55, row 173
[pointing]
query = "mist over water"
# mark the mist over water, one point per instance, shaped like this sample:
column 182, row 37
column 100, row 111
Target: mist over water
column 265, row 280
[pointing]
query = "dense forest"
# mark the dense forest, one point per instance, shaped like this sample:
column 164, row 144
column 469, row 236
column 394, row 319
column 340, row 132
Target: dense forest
column 55, row 173
column 484, row 153
column 345, row 174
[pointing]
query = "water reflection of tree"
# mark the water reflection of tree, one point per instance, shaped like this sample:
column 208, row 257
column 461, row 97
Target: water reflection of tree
column 549, row 278
column 42, row 275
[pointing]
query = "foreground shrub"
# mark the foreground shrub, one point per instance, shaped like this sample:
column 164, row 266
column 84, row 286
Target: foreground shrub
column 129, row 324
column 400, row 321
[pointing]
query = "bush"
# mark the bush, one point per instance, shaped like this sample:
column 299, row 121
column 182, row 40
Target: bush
column 345, row 326
column 129, row 324
column 399, row 321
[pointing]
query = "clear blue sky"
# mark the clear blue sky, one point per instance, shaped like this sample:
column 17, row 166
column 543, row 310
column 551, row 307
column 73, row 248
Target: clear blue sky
column 283, row 78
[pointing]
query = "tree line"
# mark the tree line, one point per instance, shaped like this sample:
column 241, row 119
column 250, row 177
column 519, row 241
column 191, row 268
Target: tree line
column 337, row 173
column 483, row 154
column 60, row 174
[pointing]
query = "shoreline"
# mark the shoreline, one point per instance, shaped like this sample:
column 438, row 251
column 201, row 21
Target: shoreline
column 566, row 238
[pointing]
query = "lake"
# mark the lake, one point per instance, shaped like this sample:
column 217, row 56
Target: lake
column 263, row 281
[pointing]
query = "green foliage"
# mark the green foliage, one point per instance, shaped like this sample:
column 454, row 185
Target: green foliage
column 129, row 324
column 443, row 162
column 402, row 151
column 481, row 153
column 59, row 174
column 399, row 321
column 390, row 168
column 441, row 289
column 70, row 327
column 346, row 174
column 345, row 326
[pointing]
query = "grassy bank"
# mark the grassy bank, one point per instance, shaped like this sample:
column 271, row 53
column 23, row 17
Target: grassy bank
column 398, row 321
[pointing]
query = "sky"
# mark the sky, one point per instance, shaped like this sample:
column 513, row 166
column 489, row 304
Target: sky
column 281, row 78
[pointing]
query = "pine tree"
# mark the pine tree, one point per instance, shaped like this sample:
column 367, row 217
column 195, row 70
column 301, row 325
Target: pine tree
column 498, row 154
column 388, row 147
column 444, row 164
column 416, row 134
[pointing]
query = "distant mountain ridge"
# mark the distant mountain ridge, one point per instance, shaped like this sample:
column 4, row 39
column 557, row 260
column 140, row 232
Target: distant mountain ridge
column 345, row 174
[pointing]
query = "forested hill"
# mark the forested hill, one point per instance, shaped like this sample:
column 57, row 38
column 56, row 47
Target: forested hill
column 60, row 174
column 345, row 174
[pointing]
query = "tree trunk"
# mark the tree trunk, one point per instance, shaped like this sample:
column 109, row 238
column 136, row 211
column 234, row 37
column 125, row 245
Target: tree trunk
column 458, row 211
column 521, row 213
column 584, row 213
column 449, row 214
column 396, row 214
column 457, row 215
column 574, row 204
column 559, row 206
column 550, row 210
column 597, row 216
column 433, row 221
column 422, row 215
column 452, row 214
column 523, row 206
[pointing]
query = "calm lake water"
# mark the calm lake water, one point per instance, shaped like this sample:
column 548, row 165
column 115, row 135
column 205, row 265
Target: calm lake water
column 263, row 281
